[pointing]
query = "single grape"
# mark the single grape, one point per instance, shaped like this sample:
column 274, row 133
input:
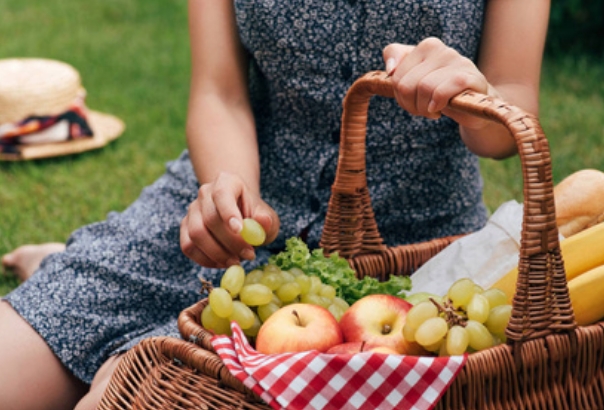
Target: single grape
column 498, row 319
column 312, row 299
column 328, row 291
column 242, row 314
column 218, row 325
column 336, row 311
column 304, row 282
column 252, row 331
column 436, row 346
column 499, row 338
column 442, row 350
column 408, row 333
column 272, row 280
column 457, row 340
column 479, row 336
column 419, row 313
column 221, row 302
column 265, row 311
column 275, row 299
column 287, row 277
column 415, row 298
column 288, row 291
column 431, row 331
column 255, row 294
column 253, row 276
column 461, row 292
column 233, row 279
column 297, row 272
column 291, row 302
column 252, row 232
column 315, row 285
column 271, row 268
column 478, row 308
column 496, row 297
column 325, row 301
column 341, row 302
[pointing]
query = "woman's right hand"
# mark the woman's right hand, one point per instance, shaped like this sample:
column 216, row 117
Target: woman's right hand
column 210, row 232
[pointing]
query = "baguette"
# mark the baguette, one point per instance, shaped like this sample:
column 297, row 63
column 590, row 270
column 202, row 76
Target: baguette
column 579, row 201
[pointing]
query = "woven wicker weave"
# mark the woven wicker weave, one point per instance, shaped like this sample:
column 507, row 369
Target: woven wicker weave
column 548, row 362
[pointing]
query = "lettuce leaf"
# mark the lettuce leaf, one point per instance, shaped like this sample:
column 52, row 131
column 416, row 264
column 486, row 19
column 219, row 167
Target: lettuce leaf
column 336, row 271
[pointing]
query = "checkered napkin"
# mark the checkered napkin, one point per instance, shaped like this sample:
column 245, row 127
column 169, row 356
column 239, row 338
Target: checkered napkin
column 311, row 380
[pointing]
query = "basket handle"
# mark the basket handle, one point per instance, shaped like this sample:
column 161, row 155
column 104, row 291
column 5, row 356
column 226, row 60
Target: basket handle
column 541, row 304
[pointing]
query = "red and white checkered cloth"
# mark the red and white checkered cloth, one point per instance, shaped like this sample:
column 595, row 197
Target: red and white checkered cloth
column 312, row 380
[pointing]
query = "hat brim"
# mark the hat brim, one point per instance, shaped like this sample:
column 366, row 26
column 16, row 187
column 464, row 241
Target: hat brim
column 105, row 127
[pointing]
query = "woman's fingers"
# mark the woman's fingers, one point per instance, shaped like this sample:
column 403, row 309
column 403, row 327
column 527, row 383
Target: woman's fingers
column 195, row 253
column 393, row 54
column 222, row 218
column 427, row 76
column 230, row 199
column 210, row 232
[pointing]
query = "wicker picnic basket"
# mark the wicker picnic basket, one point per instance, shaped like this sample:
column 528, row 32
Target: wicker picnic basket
column 548, row 361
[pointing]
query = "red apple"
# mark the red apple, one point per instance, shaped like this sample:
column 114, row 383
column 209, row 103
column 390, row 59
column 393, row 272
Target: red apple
column 298, row 327
column 350, row 348
column 378, row 320
column 384, row 349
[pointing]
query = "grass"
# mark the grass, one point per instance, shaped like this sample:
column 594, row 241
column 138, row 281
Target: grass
column 572, row 103
column 134, row 60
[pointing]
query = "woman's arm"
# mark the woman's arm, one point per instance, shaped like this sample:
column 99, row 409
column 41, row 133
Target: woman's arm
column 425, row 77
column 220, row 127
column 510, row 57
column 222, row 142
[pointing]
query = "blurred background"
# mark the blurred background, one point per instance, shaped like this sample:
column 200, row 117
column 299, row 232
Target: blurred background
column 133, row 57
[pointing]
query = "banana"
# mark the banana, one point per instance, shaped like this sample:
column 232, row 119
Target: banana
column 586, row 292
column 580, row 253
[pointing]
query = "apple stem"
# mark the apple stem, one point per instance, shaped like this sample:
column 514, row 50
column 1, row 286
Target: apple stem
column 297, row 317
column 362, row 346
column 386, row 329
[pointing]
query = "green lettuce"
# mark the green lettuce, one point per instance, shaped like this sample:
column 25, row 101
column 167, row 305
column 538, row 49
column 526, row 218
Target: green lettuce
column 336, row 271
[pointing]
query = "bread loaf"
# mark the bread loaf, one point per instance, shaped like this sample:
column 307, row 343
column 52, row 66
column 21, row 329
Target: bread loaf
column 579, row 200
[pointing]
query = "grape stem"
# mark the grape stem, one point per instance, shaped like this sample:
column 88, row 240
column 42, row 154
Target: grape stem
column 451, row 315
column 206, row 286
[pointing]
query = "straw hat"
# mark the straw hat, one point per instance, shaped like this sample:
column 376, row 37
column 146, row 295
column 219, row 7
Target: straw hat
column 42, row 87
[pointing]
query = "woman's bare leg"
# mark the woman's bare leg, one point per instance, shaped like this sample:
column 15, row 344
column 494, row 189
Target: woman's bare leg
column 99, row 384
column 32, row 377
column 24, row 260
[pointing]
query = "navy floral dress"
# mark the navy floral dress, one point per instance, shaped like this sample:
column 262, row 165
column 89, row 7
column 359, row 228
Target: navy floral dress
column 125, row 278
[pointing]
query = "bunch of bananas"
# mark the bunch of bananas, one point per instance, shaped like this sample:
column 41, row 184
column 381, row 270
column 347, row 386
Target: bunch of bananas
column 583, row 255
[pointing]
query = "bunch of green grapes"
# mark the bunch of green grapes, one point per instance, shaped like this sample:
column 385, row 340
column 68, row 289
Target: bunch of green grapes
column 249, row 299
column 469, row 319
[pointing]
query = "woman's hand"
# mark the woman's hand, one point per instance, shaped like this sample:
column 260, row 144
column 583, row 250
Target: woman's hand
column 425, row 77
column 209, row 233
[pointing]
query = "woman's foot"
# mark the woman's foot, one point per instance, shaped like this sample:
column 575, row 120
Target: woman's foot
column 24, row 260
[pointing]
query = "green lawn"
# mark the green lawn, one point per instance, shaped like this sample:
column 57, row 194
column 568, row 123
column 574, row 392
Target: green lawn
column 572, row 108
column 134, row 61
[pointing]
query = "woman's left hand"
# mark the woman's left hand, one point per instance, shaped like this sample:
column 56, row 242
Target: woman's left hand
column 426, row 76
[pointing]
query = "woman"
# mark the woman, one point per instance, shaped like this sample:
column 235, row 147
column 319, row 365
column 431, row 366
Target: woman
column 267, row 84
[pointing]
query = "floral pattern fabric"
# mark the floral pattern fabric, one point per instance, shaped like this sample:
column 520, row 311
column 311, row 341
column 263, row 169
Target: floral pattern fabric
column 125, row 278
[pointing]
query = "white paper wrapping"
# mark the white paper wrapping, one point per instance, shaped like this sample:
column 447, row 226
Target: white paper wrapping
column 483, row 256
